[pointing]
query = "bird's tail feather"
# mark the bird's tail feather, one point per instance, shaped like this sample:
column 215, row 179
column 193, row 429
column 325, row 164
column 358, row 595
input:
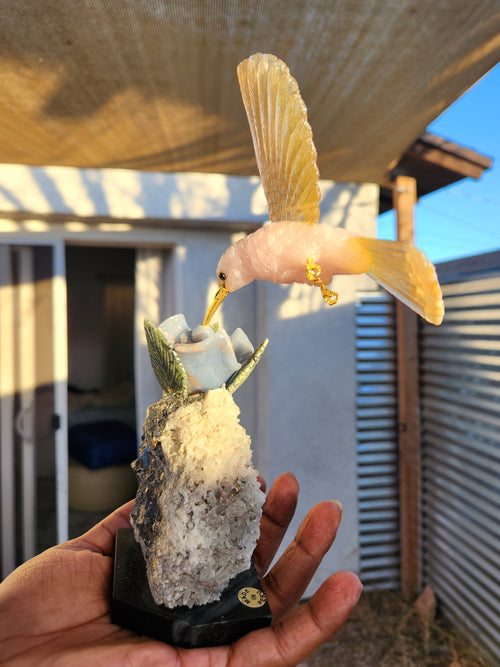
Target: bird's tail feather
column 404, row 271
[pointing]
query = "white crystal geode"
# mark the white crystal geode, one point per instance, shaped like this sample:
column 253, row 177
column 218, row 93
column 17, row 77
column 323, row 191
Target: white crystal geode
column 199, row 503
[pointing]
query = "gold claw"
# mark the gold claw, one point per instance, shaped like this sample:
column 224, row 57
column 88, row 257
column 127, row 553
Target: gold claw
column 313, row 273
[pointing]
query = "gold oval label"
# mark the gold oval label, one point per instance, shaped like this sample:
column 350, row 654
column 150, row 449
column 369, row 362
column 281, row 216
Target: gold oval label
column 252, row 597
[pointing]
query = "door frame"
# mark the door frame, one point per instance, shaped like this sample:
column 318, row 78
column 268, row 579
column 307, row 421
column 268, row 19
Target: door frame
column 59, row 376
column 161, row 235
column 58, row 242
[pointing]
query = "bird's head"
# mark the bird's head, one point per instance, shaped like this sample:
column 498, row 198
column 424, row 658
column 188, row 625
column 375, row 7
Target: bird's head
column 232, row 273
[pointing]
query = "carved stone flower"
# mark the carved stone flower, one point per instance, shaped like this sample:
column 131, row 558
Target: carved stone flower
column 188, row 361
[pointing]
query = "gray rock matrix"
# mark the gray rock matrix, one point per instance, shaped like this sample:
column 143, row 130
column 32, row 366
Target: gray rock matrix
column 198, row 504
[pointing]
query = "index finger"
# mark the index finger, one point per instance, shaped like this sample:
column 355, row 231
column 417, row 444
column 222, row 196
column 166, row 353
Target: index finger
column 299, row 634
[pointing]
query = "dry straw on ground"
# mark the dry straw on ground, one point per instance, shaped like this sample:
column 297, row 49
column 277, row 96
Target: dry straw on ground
column 384, row 631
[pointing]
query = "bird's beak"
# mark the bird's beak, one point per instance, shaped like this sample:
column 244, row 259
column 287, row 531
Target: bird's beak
column 219, row 297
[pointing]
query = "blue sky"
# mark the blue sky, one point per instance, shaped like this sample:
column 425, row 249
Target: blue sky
column 463, row 219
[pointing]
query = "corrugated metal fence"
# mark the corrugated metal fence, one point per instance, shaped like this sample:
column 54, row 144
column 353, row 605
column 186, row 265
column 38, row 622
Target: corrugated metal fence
column 460, row 412
column 460, row 393
column 377, row 446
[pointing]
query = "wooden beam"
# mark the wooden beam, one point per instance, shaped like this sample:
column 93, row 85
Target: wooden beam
column 451, row 162
column 405, row 197
column 461, row 153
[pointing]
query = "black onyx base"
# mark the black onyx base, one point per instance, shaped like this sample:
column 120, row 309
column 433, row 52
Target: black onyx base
column 242, row 608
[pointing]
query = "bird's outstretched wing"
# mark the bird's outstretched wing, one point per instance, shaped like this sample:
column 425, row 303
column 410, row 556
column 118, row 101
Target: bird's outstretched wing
column 282, row 138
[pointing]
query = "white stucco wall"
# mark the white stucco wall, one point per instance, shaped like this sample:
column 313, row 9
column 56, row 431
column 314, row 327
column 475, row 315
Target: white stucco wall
column 299, row 406
column 312, row 382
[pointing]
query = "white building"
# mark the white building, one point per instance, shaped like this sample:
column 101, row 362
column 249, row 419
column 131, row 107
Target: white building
column 110, row 247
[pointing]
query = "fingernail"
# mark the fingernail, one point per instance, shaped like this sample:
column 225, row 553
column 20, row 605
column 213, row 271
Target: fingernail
column 339, row 505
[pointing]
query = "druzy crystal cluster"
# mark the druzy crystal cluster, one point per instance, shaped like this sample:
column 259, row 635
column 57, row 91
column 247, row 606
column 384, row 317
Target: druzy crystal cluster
column 198, row 504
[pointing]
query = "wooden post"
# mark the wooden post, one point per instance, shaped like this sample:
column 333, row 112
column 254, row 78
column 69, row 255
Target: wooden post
column 404, row 200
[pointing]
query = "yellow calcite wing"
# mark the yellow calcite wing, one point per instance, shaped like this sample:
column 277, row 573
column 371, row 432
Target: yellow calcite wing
column 282, row 138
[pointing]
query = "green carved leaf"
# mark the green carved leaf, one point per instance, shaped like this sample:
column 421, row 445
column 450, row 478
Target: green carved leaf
column 247, row 368
column 165, row 362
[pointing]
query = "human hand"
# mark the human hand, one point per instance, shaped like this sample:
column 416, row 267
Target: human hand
column 55, row 608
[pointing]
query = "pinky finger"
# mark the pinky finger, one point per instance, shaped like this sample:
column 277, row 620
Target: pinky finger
column 299, row 634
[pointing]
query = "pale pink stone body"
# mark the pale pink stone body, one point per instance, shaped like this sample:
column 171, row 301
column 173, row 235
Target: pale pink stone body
column 279, row 252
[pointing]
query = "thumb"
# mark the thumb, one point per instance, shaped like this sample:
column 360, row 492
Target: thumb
column 101, row 537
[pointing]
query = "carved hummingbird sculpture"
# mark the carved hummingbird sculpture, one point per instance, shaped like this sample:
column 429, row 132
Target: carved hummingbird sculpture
column 295, row 248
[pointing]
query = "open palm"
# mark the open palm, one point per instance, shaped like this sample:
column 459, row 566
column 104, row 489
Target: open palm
column 55, row 608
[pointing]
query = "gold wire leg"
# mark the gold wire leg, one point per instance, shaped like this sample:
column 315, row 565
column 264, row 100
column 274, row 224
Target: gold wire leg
column 313, row 273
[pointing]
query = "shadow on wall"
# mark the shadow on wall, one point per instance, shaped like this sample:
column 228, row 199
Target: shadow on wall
column 133, row 195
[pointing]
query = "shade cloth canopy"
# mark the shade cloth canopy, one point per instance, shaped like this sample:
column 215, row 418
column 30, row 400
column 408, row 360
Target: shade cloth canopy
column 151, row 84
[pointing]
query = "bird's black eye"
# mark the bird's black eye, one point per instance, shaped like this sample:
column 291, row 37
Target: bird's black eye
column 222, row 276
